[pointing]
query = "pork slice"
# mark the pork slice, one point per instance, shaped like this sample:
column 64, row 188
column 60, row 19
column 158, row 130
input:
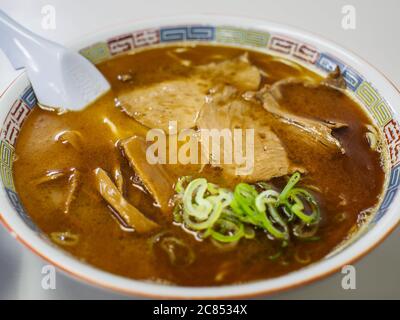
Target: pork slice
column 226, row 109
column 181, row 99
column 157, row 178
column 312, row 132
column 238, row 72
column 157, row 104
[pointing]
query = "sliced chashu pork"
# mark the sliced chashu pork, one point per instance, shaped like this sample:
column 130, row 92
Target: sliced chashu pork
column 312, row 132
column 157, row 178
column 238, row 72
column 226, row 109
column 181, row 99
column 157, row 104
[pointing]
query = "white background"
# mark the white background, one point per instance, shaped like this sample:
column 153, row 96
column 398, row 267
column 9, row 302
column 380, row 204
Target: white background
column 375, row 39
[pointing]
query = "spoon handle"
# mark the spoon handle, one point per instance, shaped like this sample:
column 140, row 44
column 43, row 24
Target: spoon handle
column 19, row 44
column 60, row 77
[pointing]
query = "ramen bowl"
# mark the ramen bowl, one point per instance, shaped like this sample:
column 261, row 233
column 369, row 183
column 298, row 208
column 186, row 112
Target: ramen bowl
column 373, row 92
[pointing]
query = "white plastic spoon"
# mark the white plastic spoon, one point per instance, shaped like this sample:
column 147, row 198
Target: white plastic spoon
column 62, row 79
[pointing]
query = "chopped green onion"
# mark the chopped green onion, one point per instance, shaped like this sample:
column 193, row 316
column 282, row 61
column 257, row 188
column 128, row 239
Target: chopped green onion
column 266, row 197
column 295, row 203
column 245, row 196
column 226, row 216
column 210, row 220
column 244, row 205
column 304, row 231
column 194, row 215
column 291, row 183
column 200, row 208
column 212, row 188
column 265, row 204
column 249, row 232
column 227, row 230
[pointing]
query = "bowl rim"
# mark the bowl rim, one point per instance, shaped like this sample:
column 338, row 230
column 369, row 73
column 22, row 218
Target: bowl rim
column 322, row 268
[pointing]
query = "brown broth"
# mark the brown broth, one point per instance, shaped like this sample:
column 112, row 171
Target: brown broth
column 349, row 183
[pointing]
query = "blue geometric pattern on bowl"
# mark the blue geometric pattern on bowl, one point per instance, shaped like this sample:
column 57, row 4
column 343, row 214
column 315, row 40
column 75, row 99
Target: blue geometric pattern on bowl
column 9, row 133
column 187, row 33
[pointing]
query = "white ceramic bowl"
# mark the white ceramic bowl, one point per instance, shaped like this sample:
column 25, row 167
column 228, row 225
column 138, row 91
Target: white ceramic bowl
column 369, row 87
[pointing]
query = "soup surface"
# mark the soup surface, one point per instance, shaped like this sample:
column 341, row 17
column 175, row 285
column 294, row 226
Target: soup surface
column 67, row 162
